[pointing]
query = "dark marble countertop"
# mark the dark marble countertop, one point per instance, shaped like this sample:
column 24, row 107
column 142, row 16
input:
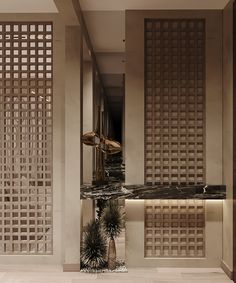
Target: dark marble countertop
column 119, row 190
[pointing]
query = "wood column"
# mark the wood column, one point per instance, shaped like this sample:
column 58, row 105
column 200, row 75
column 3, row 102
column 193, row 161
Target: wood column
column 72, row 149
column 234, row 141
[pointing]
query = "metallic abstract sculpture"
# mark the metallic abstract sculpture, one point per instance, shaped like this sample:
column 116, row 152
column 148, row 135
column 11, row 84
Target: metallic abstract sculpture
column 102, row 146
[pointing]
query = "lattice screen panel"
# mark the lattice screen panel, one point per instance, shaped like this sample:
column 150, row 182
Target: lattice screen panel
column 174, row 228
column 175, row 101
column 26, row 138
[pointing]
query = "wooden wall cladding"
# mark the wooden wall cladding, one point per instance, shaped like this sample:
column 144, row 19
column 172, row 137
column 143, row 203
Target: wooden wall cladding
column 26, row 138
column 174, row 228
column 174, row 101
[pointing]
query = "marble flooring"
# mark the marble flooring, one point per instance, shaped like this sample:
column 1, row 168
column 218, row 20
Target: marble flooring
column 54, row 274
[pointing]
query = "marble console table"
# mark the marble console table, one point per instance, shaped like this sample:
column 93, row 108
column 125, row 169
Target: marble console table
column 122, row 191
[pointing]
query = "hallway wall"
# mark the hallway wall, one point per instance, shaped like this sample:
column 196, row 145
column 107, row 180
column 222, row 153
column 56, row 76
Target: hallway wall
column 134, row 134
column 134, row 101
column 228, row 136
column 135, row 238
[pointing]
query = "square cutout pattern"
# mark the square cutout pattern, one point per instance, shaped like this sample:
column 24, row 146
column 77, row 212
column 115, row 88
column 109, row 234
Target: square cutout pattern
column 175, row 101
column 26, row 138
column 175, row 228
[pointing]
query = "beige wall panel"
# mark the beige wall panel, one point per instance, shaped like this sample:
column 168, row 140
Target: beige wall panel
column 134, row 98
column 97, row 99
column 87, row 120
column 88, row 211
column 72, row 147
column 214, row 98
column 58, row 139
column 228, row 135
column 135, row 239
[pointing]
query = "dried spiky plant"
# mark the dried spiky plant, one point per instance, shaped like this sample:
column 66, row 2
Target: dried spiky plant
column 112, row 220
column 94, row 246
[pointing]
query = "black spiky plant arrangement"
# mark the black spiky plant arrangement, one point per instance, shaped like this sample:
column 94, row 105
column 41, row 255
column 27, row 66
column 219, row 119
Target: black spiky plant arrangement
column 94, row 247
column 112, row 221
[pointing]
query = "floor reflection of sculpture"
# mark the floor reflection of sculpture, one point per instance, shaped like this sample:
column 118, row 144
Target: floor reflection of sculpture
column 103, row 146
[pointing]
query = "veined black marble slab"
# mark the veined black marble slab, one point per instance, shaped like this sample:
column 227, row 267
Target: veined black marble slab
column 118, row 190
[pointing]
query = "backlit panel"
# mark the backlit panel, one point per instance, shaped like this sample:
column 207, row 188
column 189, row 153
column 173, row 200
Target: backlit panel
column 26, row 138
column 174, row 228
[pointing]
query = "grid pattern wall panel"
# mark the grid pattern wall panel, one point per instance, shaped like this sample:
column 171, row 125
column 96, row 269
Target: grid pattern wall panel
column 26, row 138
column 175, row 228
column 175, row 101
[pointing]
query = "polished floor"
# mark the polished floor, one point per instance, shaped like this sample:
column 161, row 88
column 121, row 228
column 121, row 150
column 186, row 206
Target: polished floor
column 54, row 274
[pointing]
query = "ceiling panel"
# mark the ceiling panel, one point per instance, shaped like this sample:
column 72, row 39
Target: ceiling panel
column 106, row 30
column 114, row 5
column 28, row 6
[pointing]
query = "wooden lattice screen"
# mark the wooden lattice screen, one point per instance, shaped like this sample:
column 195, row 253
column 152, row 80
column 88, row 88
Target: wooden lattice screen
column 174, row 228
column 175, row 101
column 26, row 138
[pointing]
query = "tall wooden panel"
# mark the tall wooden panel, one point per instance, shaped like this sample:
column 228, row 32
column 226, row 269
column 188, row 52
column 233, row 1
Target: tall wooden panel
column 175, row 101
column 174, row 228
column 234, row 142
column 26, row 138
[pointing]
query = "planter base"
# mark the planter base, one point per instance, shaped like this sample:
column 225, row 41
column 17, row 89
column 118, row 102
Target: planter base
column 120, row 268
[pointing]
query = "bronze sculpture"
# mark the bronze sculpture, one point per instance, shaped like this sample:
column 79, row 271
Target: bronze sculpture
column 103, row 145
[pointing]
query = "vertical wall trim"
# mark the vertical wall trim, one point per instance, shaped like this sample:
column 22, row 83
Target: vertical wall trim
column 81, row 91
column 72, row 147
column 234, row 141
